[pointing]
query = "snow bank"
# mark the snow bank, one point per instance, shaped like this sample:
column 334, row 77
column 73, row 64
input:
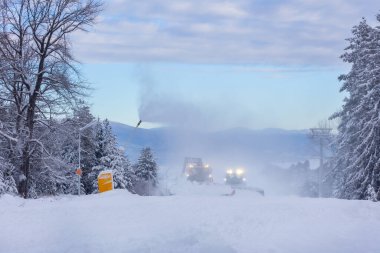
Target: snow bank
column 197, row 219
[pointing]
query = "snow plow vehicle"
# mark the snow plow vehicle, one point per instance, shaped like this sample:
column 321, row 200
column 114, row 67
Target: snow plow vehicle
column 195, row 170
column 237, row 180
column 235, row 177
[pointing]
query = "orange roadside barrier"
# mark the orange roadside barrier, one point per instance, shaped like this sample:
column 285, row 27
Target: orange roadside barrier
column 105, row 181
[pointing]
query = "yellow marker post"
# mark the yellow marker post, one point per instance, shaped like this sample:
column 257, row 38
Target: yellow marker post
column 105, row 181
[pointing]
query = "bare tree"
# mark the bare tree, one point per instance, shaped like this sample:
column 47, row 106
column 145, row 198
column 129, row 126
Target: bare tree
column 38, row 77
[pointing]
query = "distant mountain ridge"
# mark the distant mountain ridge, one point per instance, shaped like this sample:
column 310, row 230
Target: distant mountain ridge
column 242, row 145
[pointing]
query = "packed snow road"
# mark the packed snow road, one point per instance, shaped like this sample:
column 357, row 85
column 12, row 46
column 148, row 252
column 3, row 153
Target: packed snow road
column 199, row 219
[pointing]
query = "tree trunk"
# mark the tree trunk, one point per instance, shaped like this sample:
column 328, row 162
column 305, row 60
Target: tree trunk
column 25, row 166
column 25, row 170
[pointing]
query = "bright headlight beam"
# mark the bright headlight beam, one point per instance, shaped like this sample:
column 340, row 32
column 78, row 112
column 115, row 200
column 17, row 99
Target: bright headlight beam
column 239, row 172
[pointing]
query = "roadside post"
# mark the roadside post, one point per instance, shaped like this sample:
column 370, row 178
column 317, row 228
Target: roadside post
column 78, row 172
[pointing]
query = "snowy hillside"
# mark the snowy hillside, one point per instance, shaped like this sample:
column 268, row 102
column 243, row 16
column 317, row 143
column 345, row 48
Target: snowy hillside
column 196, row 219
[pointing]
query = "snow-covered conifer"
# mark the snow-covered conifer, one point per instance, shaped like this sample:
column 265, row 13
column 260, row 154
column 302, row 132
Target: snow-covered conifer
column 110, row 157
column 356, row 170
column 123, row 174
column 146, row 172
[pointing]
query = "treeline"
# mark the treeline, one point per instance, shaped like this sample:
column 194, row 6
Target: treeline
column 68, row 145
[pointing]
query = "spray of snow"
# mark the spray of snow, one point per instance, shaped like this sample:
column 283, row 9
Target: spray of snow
column 189, row 121
column 172, row 109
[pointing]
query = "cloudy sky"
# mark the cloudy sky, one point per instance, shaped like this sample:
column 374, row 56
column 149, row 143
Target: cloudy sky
column 247, row 63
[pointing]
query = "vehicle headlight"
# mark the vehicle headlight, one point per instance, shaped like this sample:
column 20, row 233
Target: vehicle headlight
column 239, row 172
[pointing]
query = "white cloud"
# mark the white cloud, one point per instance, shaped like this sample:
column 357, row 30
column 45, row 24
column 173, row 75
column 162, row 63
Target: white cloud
column 292, row 32
column 226, row 9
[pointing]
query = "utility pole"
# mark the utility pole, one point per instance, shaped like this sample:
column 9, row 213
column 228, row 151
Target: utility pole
column 79, row 170
column 321, row 134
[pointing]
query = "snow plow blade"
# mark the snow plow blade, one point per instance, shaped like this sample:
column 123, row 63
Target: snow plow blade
column 247, row 188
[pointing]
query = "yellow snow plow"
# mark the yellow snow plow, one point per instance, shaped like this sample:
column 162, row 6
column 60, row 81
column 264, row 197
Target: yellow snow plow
column 195, row 170
column 235, row 177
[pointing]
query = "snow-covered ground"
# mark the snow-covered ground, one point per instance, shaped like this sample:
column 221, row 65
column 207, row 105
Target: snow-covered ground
column 196, row 219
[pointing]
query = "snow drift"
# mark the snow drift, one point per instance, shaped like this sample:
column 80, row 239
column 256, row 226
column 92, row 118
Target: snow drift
column 191, row 221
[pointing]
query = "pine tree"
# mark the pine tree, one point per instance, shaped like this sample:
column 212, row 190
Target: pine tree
column 356, row 171
column 146, row 172
column 99, row 151
column 123, row 175
column 110, row 157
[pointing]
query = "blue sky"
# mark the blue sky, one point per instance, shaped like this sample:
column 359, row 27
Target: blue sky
column 238, row 63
